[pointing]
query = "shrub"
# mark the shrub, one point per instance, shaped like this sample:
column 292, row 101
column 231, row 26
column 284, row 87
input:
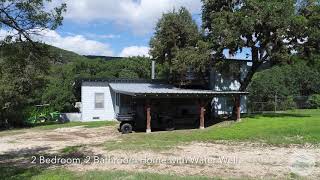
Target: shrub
column 289, row 103
column 314, row 101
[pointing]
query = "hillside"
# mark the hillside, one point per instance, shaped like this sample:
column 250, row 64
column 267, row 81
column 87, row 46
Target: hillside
column 65, row 56
column 60, row 55
column 28, row 80
column 61, row 89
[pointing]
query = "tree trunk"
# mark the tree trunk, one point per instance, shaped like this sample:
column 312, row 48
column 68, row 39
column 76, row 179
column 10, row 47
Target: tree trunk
column 256, row 63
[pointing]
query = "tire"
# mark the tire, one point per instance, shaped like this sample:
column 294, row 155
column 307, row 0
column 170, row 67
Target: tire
column 41, row 120
column 170, row 125
column 126, row 128
column 61, row 119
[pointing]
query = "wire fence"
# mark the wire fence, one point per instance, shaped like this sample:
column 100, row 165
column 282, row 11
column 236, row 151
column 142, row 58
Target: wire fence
column 279, row 104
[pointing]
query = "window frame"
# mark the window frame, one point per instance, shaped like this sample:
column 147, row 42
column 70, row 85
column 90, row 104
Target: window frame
column 118, row 99
column 101, row 102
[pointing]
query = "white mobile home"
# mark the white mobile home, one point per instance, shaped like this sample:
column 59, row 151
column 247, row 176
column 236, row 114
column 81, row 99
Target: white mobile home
column 135, row 103
column 99, row 101
column 96, row 101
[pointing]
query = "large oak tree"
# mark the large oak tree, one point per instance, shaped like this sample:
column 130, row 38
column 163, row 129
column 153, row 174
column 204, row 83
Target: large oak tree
column 272, row 29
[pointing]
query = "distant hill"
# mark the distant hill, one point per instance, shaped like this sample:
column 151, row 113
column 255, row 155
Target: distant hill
column 64, row 56
column 107, row 58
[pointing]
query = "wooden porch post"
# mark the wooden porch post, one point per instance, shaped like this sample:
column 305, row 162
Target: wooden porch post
column 238, row 110
column 148, row 130
column 202, row 110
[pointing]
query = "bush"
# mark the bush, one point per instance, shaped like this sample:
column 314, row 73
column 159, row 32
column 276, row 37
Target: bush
column 286, row 82
column 314, row 101
column 289, row 103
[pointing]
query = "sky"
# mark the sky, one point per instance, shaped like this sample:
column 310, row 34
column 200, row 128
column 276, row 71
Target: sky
column 120, row 28
column 112, row 27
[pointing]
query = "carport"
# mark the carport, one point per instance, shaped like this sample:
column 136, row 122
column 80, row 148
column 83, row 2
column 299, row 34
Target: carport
column 147, row 93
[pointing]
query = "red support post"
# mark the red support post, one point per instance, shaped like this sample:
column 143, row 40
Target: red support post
column 238, row 109
column 148, row 130
column 202, row 112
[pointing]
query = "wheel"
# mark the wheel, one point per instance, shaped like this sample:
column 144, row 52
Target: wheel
column 42, row 119
column 61, row 119
column 170, row 125
column 126, row 128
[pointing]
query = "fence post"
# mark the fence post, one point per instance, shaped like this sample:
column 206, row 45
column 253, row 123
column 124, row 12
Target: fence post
column 275, row 103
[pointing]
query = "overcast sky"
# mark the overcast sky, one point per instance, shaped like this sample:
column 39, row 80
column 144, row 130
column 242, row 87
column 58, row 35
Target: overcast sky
column 113, row 27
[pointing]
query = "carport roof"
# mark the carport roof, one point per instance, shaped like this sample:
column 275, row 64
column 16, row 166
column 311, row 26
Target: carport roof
column 159, row 89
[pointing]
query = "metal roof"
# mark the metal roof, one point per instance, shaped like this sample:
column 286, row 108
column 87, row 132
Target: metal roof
column 147, row 89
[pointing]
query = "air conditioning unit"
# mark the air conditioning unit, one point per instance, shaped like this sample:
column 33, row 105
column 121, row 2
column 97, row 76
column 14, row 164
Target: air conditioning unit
column 78, row 105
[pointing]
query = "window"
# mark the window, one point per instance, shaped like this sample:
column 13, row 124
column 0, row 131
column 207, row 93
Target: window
column 126, row 100
column 117, row 99
column 99, row 101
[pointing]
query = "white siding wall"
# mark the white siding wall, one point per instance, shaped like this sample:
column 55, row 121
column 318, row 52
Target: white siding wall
column 89, row 113
column 219, row 82
column 71, row 117
column 224, row 105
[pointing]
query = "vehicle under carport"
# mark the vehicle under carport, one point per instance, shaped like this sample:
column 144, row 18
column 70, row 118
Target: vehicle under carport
column 158, row 106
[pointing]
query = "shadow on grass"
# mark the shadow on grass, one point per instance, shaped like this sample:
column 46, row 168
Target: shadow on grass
column 21, row 164
column 30, row 126
column 275, row 115
column 17, row 164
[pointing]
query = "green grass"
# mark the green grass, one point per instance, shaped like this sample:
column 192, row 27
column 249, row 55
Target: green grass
column 94, row 124
column 59, row 174
column 293, row 127
column 64, row 174
column 71, row 149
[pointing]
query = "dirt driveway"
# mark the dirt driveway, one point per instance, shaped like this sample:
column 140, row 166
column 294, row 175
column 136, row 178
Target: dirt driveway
column 58, row 138
column 221, row 159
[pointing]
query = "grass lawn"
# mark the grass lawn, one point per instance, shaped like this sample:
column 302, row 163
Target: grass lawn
column 94, row 124
column 58, row 174
column 292, row 127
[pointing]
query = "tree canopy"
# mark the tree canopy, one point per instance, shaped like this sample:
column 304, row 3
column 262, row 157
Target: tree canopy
column 174, row 31
column 24, row 62
column 23, row 18
column 272, row 29
column 285, row 82
column 309, row 11
column 193, row 59
column 178, row 45
column 60, row 91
